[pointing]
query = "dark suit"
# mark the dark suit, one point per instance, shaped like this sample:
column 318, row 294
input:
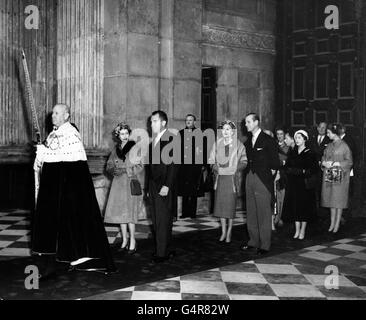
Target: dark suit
column 262, row 158
column 317, row 148
column 352, row 145
column 163, row 209
column 189, row 176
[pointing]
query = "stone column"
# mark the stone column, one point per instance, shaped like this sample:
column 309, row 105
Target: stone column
column 80, row 65
column 166, row 56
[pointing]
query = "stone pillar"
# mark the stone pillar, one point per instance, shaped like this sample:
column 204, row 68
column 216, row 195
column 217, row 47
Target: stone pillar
column 115, row 67
column 166, row 56
column 80, row 65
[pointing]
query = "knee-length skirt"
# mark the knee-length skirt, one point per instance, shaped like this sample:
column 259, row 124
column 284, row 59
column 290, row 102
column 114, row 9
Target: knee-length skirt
column 225, row 198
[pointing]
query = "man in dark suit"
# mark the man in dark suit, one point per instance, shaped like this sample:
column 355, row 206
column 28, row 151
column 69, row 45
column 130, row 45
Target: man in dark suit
column 190, row 173
column 350, row 142
column 161, row 176
column 319, row 142
column 263, row 159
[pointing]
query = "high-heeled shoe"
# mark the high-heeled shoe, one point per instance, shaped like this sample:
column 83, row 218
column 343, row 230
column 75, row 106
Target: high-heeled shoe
column 125, row 248
column 296, row 236
column 133, row 251
column 221, row 240
column 301, row 237
column 335, row 231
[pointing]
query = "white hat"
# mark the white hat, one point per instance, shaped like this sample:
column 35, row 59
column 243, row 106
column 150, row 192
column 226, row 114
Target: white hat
column 303, row 132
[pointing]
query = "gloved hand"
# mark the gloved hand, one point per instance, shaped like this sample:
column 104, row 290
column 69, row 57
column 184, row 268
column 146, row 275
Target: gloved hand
column 215, row 169
column 118, row 172
column 40, row 153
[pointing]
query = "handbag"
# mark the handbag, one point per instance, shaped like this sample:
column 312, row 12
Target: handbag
column 136, row 189
column 334, row 175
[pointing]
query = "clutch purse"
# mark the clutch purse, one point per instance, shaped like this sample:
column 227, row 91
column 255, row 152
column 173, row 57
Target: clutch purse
column 136, row 189
column 334, row 175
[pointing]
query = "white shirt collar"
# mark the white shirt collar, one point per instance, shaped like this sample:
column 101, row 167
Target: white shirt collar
column 255, row 136
column 342, row 136
column 321, row 138
column 158, row 137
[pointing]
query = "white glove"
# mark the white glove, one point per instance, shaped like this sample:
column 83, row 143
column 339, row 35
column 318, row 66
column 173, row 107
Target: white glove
column 40, row 153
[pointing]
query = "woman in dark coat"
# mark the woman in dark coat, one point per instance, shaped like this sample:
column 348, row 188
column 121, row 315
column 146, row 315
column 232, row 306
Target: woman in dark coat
column 301, row 169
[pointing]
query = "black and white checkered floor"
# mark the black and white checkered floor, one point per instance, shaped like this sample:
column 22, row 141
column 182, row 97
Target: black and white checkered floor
column 15, row 230
column 334, row 270
column 310, row 273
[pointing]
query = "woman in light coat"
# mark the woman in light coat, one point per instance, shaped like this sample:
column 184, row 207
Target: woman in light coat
column 228, row 159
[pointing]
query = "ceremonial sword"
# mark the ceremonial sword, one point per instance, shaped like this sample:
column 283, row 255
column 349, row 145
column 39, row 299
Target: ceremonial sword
column 36, row 126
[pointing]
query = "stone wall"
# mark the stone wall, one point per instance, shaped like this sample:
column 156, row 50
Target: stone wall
column 154, row 51
column 239, row 39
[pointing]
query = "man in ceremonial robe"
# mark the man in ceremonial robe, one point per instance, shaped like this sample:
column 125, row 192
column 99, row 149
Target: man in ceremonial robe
column 68, row 226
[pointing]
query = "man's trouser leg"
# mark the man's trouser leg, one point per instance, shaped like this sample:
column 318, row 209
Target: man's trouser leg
column 252, row 220
column 264, row 213
column 163, row 222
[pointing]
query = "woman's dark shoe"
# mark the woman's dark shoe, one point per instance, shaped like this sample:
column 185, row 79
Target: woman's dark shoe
column 133, row 251
column 124, row 249
column 222, row 239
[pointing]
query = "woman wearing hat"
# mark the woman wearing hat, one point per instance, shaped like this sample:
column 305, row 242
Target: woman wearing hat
column 336, row 165
column 124, row 203
column 228, row 159
column 301, row 170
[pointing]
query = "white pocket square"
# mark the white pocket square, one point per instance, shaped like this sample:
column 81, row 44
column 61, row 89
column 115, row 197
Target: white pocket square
column 259, row 149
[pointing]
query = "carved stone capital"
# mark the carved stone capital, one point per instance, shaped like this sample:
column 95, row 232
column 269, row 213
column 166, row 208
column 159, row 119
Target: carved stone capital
column 259, row 42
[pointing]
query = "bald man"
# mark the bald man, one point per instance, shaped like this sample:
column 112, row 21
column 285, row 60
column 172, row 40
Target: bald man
column 67, row 226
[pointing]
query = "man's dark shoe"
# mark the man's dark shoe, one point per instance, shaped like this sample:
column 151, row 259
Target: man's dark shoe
column 172, row 254
column 157, row 259
column 247, row 248
column 262, row 252
column 47, row 276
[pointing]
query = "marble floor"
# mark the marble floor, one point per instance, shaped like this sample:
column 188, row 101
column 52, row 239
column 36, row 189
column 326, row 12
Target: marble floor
column 331, row 271
column 15, row 230
column 323, row 266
